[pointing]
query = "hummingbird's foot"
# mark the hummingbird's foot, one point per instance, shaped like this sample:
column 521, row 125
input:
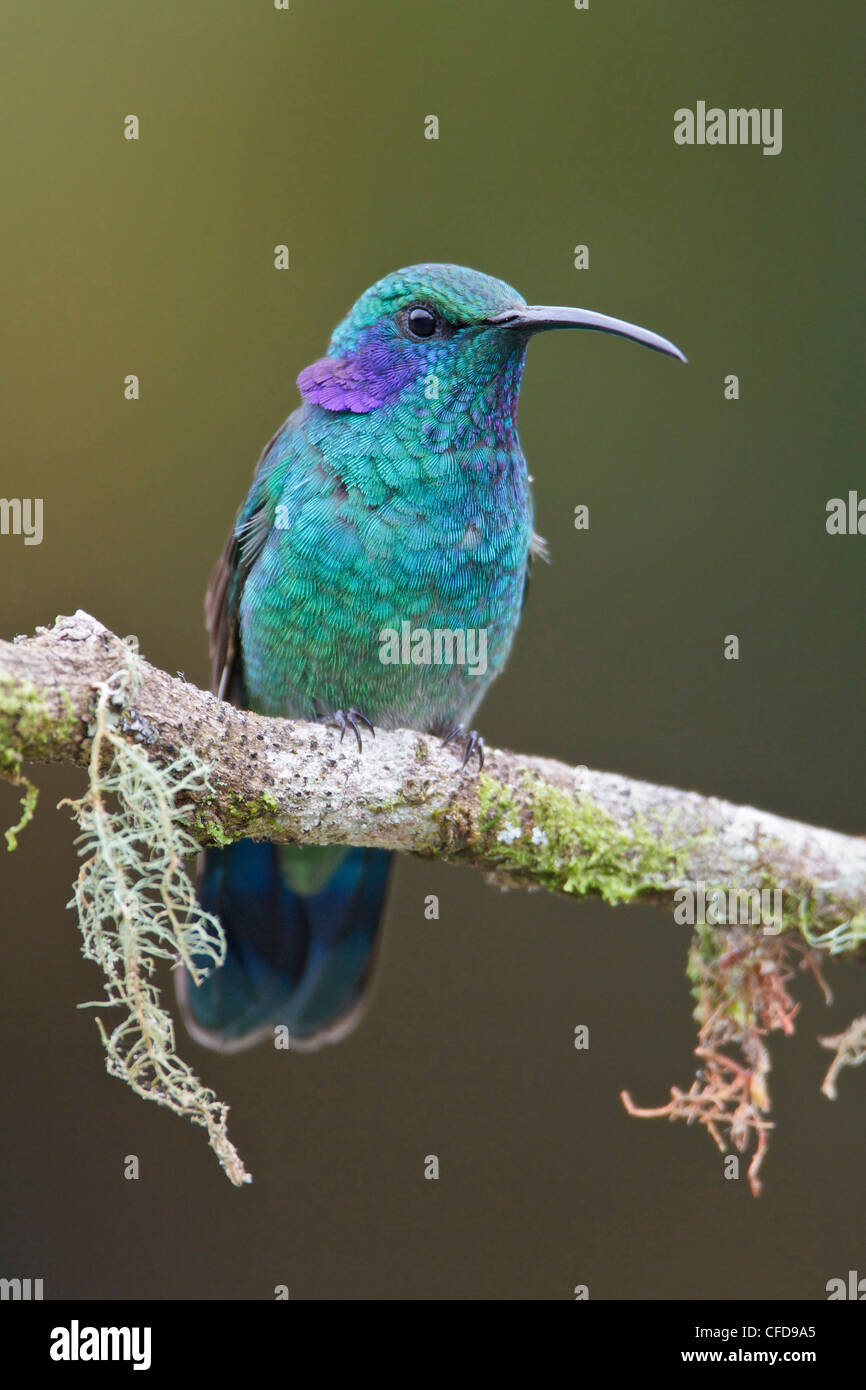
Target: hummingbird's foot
column 472, row 743
column 347, row 719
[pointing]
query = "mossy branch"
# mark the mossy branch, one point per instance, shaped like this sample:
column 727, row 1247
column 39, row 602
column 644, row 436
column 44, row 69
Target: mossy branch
column 532, row 822
column 172, row 767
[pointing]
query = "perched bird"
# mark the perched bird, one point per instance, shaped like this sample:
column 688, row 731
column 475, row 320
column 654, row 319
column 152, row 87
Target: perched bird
column 394, row 501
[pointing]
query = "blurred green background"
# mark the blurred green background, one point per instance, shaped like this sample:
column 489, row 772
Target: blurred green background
column 707, row 518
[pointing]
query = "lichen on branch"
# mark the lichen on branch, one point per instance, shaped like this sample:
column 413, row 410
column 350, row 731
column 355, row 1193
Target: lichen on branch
column 136, row 905
column 172, row 768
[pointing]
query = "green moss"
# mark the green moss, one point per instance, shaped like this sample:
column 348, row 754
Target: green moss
column 569, row 843
column 211, row 830
column 28, row 808
column 709, row 988
column 27, row 721
column 223, row 820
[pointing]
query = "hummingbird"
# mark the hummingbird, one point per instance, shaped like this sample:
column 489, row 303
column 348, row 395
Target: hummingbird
column 394, row 501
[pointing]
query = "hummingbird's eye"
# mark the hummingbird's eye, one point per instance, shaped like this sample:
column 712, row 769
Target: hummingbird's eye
column 421, row 321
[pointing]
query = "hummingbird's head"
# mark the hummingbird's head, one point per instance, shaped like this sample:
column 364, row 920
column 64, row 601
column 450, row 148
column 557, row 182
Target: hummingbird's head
column 441, row 333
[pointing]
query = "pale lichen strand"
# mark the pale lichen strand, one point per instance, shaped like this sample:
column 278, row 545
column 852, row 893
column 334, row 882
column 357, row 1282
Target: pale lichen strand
column 136, row 905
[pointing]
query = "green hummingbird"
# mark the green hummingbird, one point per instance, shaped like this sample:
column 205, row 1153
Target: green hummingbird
column 374, row 576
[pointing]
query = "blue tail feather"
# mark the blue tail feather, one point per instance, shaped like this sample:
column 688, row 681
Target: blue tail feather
column 299, row 958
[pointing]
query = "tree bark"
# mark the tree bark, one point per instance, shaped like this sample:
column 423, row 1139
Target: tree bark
column 529, row 821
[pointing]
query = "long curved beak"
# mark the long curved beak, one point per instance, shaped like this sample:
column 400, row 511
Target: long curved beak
column 536, row 317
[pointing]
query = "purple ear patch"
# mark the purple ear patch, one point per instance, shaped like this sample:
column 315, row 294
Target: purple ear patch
column 373, row 376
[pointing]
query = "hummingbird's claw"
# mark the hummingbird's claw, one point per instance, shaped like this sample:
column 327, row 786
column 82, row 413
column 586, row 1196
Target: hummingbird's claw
column 347, row 719
column 472, row 741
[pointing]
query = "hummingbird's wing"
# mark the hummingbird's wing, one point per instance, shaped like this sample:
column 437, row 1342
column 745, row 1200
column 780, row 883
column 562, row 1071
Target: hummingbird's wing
column 220, row 618
column 243, row 547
